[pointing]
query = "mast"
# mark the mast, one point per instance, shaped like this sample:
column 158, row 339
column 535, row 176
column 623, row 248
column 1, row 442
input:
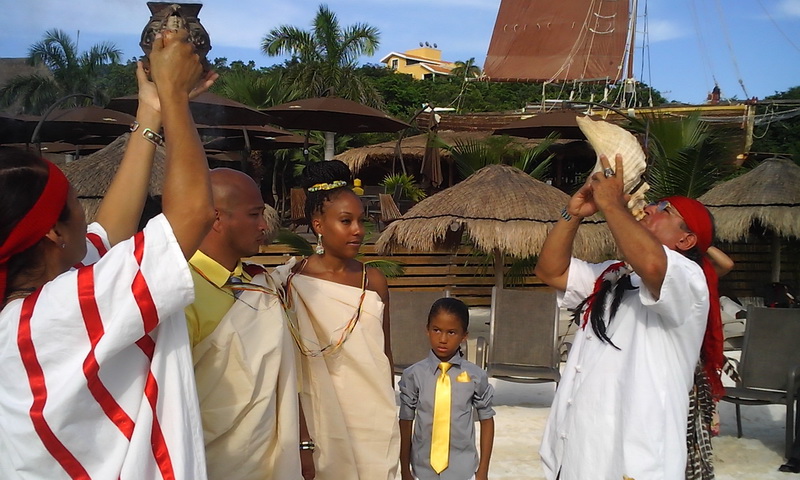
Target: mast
column 632, row 29
column 629, row 82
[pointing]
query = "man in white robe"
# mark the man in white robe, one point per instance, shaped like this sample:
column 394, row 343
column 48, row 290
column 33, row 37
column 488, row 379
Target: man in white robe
column 622, row 405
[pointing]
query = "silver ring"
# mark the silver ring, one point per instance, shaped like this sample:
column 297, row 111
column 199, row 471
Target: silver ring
column 608, row 172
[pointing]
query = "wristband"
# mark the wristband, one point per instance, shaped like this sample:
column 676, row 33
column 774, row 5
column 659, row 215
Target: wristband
column 565, row 215
column 153, row 137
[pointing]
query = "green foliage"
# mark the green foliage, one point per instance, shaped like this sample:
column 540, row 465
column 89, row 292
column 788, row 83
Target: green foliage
column 687, row 156
column 783, row 136
column 471, row 155
column 388, row 268
column 258, row 89
column 326, row 56
column 406, row 184
column 71, row 72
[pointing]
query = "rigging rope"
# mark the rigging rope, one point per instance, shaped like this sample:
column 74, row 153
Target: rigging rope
column 730, row 46
column 707, row 63
column 777, row 26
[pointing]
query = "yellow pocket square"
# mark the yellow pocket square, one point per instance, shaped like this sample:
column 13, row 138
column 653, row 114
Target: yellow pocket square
column 463, row 378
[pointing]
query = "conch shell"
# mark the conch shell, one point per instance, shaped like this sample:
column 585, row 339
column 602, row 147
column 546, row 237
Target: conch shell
column 609, row 139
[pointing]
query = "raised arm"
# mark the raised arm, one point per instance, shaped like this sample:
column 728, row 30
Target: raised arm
column 122, row 206
column 187, row 204
column 552, row 267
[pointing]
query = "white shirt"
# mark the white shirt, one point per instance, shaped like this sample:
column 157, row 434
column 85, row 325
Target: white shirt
column 624, row 412
column 103, row 344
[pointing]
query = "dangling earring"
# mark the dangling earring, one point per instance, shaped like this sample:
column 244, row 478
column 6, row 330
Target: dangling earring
column 318, row 248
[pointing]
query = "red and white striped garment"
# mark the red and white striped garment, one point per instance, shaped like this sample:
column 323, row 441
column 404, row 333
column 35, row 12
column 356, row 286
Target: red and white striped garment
column 97, row 377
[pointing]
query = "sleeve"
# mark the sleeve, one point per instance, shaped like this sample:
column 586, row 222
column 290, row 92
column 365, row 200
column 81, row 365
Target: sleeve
column 684, row 292
column 409, row 395
column 580, row 281
column 139, row 282
column 482, row 398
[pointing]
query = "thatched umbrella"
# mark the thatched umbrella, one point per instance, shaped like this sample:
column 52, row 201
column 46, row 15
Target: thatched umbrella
column 769, row 194
column 502, row 209
column 91, row 175
column 411, row 148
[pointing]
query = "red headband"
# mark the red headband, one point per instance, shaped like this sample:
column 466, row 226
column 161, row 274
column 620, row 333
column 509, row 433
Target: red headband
column 697, row 218
column 37, row 222
column 699, row 221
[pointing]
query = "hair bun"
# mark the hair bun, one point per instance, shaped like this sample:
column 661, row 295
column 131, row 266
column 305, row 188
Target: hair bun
column 324, row 172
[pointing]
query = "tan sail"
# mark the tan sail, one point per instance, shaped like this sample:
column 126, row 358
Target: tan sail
column 548, row 40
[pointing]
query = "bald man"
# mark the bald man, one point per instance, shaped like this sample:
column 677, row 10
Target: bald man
column 242, row 349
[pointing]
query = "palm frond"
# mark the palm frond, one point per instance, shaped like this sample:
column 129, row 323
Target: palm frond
column 298, row 244
column 388, row 268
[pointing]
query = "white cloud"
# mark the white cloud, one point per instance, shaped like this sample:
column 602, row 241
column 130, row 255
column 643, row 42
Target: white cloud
column 663, row 30
column 789, row 7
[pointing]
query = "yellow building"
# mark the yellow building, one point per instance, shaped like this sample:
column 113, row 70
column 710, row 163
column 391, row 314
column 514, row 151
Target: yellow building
column 423, row 62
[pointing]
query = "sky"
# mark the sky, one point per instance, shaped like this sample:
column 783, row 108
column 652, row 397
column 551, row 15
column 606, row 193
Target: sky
column 751, row 48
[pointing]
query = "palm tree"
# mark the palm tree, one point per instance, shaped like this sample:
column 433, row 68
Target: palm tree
column 327, row 56
column 466, row 69
column 256, row 89
column 687, row 156
column 71, row 72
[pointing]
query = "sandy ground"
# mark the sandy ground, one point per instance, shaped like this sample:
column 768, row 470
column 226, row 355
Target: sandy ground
column 522, row 411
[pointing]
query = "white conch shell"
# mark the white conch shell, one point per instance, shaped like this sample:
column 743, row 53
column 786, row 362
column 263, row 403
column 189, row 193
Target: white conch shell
column 609, row 139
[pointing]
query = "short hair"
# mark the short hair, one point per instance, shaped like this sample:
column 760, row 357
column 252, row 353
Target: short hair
column 452, row 306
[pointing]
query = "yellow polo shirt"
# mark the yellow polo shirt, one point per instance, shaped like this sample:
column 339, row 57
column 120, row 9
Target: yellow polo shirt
column 212, row 299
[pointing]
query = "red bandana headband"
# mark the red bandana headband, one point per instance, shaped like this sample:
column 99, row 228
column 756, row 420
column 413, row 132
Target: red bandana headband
column 37, row 222
column 698, row 220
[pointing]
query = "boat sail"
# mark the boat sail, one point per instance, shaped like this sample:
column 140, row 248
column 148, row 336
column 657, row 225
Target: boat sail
column 557, row 41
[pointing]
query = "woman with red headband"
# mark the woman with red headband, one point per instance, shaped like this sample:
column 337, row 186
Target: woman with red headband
column 622, row 405
column 97, row 372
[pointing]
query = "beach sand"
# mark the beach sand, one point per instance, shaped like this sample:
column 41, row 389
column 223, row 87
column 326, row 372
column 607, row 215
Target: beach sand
column 522, row 411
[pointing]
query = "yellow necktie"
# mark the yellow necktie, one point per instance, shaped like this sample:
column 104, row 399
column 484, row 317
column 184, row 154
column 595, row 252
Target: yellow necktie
column 440, row 441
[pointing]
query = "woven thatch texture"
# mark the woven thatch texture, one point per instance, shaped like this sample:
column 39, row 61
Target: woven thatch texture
column 411, row 147
column 91, row 175
column 769, row 194
column 500, row 208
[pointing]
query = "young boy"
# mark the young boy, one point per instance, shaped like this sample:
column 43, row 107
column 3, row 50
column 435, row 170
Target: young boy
column 440, row 393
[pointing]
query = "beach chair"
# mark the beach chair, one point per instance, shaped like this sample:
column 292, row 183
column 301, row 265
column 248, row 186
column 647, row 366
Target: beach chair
column 522, row 338
column 769, row 369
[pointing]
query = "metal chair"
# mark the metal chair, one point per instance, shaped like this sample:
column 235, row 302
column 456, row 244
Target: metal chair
column 769, row 369
column 523, row 336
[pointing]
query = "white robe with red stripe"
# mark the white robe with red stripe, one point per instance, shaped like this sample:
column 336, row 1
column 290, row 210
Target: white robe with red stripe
column 89, row 359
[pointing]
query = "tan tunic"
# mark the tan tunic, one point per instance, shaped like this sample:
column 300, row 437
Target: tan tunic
column 247, row 386
column 347, row 397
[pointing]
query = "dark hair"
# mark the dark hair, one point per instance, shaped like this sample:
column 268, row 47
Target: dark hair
column 452, row 306
column 323, row 172
column 23, row 176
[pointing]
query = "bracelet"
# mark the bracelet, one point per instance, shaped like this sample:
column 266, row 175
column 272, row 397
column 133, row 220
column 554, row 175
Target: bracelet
column 153, row 137
column 565, row 215
column 134, row 126
column 308, row 445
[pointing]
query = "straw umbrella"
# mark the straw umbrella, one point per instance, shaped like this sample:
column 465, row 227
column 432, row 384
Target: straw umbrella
column 410, row 147
column 92, row 174
column 503, row 211
column 769, row 194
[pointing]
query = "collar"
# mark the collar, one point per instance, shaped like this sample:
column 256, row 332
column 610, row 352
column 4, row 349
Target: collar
column 433, row 360
column 215, row 273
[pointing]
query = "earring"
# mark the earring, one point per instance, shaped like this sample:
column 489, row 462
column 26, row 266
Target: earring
column 318, row 248
column 64, row 245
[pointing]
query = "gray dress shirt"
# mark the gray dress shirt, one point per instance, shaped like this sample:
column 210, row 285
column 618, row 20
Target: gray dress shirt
column 417, row 393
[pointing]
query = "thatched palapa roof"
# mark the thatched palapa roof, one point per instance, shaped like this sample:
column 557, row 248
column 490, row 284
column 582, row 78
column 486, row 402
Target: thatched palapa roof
column 769, row 194
column 411, row 147
column 91, row 175
column 500, row 208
